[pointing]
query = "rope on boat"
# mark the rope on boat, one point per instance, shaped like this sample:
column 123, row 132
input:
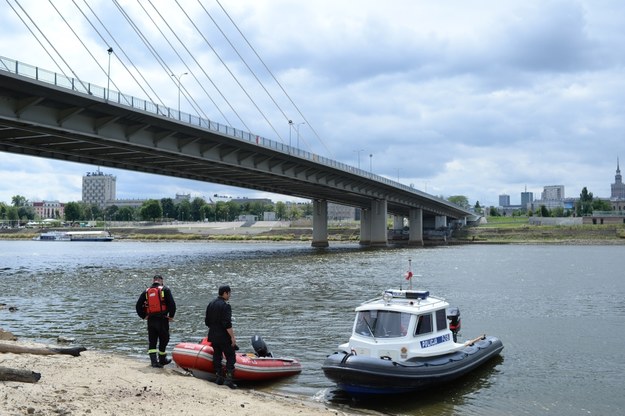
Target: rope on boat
column 474, row 340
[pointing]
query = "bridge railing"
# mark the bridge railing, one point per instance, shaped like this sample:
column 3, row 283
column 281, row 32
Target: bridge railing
column 76, row 85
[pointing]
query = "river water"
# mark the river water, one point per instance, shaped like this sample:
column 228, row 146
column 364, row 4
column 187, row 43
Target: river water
column 559, row 310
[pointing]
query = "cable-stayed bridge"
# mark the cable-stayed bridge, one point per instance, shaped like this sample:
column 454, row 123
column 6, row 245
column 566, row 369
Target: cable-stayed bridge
column 46, row 114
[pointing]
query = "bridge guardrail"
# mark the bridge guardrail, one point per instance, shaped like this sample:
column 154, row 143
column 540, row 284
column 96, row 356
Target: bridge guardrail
column 93, row 90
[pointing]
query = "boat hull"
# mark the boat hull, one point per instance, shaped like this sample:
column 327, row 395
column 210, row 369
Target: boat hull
column 358, row 375
column 198, row 359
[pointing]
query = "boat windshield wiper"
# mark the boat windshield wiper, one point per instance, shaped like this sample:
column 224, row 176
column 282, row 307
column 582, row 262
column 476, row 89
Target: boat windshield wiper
column 370, row 331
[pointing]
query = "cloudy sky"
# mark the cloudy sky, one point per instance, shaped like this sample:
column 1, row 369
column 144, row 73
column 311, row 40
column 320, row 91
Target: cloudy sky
column 476, row 98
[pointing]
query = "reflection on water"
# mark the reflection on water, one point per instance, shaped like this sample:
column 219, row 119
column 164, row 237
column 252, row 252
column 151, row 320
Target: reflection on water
column 558, row 310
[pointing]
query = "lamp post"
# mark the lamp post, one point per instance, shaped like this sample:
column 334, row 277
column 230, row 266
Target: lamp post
column 371, row 162
column 178, row 81
column 290, row 128
column 108, row 75
column 297, row 128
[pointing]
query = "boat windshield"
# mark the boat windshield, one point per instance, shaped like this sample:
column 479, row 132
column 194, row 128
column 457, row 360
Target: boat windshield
column 382, row 324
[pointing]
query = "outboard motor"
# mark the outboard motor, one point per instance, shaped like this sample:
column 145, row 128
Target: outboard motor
column 453, row 314
column 260, row 348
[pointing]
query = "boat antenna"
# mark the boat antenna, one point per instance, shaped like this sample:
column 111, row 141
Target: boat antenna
column 409, row 274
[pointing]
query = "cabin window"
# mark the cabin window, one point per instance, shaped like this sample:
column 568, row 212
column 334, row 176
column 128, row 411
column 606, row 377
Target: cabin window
column 382, row 324
column 424, row 324
column 441, row 319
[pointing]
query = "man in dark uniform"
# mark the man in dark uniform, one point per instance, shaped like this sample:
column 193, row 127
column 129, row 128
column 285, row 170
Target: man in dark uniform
column 221, row 335
column 157, row 304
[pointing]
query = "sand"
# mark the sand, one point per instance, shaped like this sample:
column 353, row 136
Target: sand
column 98, row 383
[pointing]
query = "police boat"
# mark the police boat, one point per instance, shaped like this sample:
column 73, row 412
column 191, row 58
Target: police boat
column 405, row 341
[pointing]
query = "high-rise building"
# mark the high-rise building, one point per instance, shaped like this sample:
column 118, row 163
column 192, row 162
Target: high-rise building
column 618, row 187
column 526, row 198
column 504, row 200
column 553, row 193
column 98, row 188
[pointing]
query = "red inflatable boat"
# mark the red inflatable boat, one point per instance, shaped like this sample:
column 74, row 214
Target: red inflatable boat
column 198, row 359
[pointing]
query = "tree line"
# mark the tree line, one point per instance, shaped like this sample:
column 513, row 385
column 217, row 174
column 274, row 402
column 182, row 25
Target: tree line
column 196, row 209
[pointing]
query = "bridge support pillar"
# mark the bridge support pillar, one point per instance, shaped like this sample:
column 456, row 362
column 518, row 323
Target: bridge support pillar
column 320, row 223
column 365, row 227
column 379, row 233
column 415, row 219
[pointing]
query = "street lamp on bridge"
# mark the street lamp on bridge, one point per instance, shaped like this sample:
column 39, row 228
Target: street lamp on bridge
column 179, row 85
column 290, row 129
column 108, row 74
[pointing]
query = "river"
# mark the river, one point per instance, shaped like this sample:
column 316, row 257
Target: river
column 559, row 310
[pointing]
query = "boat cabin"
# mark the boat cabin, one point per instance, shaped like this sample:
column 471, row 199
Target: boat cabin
column 404, row 324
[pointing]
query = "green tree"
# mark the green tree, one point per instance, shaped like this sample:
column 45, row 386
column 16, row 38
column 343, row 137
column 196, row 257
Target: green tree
column 151, row 210
column 196, row 209
column 125, row 214
column 208, row 212
column 73, row 212
column 280, row 208
column 557, row 212
column 460, row 200
column 601, row 205
column 169, row 209
column 234, row 210
column 183, row 210
column 110, row 213
column 19, row 201
column 584, row 205
column 544, row 211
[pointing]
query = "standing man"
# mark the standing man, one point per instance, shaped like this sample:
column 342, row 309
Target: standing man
column 157, row 304
column 221, row 335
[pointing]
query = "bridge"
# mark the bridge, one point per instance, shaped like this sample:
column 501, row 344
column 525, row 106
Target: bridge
column 46, row 114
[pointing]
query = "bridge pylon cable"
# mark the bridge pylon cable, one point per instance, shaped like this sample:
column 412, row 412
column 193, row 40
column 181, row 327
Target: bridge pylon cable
column 49, row 43
column 243, row 60
column 229, row 71
column 118, row 47
column 276, row 80
column 187, row 94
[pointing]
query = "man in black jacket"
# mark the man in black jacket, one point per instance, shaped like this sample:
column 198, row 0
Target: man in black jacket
column 221, row 335
column 157, row 304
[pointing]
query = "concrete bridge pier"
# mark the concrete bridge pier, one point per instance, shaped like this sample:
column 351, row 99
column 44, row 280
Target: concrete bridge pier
column 415, row 220
column 365, row 227
column 379, row 233
column 320, row 223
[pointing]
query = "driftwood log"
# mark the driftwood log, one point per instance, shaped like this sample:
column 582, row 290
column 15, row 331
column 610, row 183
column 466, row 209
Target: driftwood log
column 21, row 349
column 24, row 376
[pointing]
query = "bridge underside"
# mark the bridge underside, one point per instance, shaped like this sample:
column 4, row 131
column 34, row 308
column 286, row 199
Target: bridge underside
column 41, row 120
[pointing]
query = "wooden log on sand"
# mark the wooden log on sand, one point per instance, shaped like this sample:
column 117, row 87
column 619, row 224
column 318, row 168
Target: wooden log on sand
column 24, row 376
column 21, row 349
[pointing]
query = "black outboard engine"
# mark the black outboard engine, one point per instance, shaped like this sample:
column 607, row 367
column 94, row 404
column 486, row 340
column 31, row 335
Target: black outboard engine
column 453, row 314
column 260, row 348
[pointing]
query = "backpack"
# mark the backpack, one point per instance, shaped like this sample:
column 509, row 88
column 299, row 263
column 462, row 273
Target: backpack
column 155, row 300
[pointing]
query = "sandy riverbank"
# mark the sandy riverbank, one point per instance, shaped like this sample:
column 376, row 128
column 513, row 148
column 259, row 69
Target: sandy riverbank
column 96, row 383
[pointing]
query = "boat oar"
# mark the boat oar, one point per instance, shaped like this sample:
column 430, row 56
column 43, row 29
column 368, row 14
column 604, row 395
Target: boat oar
column 474, row 340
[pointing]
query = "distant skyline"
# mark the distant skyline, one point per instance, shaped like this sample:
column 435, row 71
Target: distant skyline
column 477, row 98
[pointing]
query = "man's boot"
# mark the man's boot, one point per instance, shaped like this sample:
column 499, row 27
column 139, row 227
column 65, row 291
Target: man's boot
column 154, row 361
column 163, row 360
column 228, row 382
column 219, row 378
